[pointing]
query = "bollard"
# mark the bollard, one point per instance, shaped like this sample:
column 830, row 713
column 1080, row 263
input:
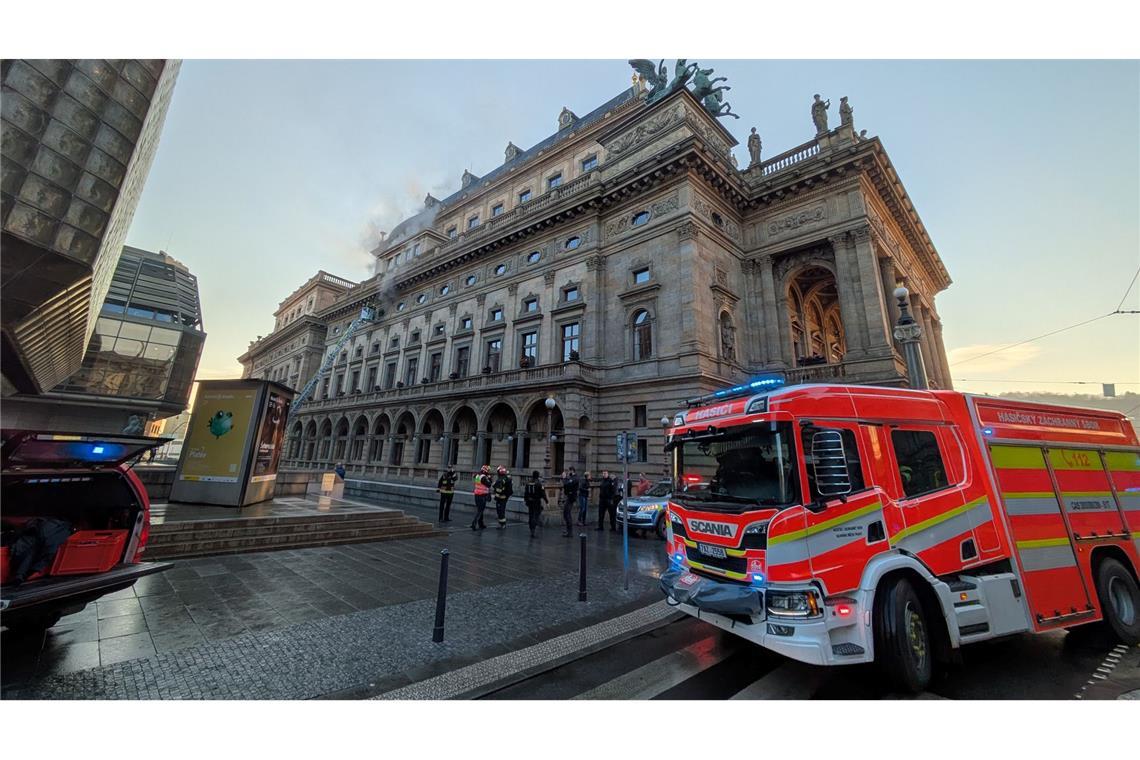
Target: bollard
column 441, row 599
column 582, row 569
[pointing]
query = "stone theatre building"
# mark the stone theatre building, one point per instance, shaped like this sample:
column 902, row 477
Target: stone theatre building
column 619, row 267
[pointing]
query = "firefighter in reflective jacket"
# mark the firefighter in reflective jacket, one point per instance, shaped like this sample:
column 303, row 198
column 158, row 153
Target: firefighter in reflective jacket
column 446, row 488
column 481, row 491
column 502, row 490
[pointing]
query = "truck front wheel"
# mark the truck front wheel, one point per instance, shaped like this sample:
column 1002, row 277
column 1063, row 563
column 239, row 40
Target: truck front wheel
column 1119, row 600
column 902, row 637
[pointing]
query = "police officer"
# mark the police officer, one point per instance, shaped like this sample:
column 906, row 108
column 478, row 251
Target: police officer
column 446, row 489
column 502, row 490
column 607, row 501
column 481, row 491
column 533, row 496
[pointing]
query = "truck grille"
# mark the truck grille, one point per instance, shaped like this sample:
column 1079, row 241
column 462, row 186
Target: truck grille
column 731, row 564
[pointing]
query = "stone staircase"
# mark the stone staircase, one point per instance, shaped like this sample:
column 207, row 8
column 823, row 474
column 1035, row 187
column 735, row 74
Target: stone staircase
column 199, row 538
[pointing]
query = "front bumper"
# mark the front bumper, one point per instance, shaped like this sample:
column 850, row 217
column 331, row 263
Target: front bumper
column 820, row 641
column 639, row 519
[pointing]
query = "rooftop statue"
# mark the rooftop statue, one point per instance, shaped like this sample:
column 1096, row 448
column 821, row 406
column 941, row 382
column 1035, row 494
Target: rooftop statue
column 682, row 70
column 703, row 86
column 846, row 113
column 754, row 146
column 716, row 107
column 657, row 77
column 819, row 114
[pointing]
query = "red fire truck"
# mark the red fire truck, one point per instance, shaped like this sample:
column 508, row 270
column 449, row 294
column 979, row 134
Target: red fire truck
column 841, row 524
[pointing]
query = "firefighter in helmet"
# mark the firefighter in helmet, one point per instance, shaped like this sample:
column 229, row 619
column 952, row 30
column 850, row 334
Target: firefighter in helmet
column 481, row 491
column 502, row 490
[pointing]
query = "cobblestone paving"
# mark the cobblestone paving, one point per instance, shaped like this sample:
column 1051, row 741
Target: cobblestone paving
column 357, row 650
column 213, row 600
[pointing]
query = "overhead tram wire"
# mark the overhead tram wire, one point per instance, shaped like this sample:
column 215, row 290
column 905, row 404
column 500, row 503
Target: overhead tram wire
column 1114, row 312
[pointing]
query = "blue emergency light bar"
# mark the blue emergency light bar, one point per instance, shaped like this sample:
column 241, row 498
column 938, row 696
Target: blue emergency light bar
column 756, row 385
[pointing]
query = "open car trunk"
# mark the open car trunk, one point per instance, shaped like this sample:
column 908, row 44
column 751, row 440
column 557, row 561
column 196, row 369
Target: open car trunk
column 72, row 520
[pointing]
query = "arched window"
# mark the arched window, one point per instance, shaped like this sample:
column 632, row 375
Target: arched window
column 642, row 335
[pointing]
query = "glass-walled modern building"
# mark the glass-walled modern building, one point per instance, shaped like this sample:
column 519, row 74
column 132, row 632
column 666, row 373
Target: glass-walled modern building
column 140, row 362
column 148, row 337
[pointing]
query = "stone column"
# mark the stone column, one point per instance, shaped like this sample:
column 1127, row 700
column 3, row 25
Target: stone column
column 890, row 282
column 933, row 366
column 687, row 235
column 481, row 452
column 874, row 307
column 777, row 338
column 520, row 444
column 851, row 296
column 940, row 352
column 548, row 346
column 755, row 346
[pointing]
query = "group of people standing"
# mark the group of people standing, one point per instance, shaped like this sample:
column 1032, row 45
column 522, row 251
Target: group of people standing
column 576, row 490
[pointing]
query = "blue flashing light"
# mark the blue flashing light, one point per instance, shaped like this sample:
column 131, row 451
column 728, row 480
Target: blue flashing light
column 987, row 431
column 96, row 449
column 761, row 383
column 757, row 579
column 678, row 559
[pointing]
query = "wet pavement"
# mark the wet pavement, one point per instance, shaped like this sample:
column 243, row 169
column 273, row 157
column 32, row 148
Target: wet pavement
column 690, row 659
column 308, row 505
column 204, row 603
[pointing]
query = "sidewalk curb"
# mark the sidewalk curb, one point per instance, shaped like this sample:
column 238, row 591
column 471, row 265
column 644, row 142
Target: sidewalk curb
column 480, row 679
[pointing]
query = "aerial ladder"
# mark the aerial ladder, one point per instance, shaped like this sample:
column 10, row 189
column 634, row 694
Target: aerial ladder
column 368, row 315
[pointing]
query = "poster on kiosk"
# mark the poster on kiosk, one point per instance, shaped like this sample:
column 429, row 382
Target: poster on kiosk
column 233, row 443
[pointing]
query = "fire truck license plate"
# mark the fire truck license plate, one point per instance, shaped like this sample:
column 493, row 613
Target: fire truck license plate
column 712, row 551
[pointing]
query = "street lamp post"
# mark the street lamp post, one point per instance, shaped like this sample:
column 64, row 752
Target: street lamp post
column 550, row 404
column 909, row 333
column 665, row 423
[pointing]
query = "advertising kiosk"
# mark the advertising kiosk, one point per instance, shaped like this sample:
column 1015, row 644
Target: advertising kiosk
column 233, row 443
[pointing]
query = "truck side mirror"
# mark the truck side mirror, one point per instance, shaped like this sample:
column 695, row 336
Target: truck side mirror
column 829, row 463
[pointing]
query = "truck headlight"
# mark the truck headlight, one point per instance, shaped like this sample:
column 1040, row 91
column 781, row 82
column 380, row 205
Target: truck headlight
column 793, row 604
column 756, row 535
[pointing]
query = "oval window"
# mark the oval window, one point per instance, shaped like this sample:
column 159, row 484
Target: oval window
column 501, row 269
column 640, row 218
column 400, row 306
column 717, row 220
column 573, row 243
column 533, row 257
column 470, row 279
column 445, row 290
column 421, row 298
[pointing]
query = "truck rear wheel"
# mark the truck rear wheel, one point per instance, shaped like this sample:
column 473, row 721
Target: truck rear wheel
column 1119, row 600
column 903, row 647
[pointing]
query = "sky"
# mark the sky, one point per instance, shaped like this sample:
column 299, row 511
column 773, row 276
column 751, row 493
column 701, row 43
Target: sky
column 1026, row 175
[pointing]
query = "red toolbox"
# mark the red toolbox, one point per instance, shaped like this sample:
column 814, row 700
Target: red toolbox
column 89, row 551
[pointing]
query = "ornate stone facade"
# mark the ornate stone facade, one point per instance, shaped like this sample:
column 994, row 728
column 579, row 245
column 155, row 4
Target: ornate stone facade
column 621, row 266
column 293, row 351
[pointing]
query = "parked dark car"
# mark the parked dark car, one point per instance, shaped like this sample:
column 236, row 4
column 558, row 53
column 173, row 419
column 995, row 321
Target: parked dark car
column 74, row 526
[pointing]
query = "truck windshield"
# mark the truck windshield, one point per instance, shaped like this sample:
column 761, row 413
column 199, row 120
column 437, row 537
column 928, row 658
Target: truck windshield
column 737, row 469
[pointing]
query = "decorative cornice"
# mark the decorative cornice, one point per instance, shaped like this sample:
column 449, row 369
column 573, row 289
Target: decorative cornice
column 688, row 230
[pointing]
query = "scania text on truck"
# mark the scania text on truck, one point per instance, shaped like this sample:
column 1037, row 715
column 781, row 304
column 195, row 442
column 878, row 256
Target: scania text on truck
column 845, row 524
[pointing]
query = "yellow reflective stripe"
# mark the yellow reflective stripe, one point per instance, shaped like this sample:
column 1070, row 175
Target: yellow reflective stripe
column 1017, row 457
column 718, row 571
column 734, row 552
column 64, row 438
column 690, row 543
column 1042, row 543
column 1029, row 495
column 825, row 525
column 1123, row 461
column 930, row 523
column 1101, row 494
